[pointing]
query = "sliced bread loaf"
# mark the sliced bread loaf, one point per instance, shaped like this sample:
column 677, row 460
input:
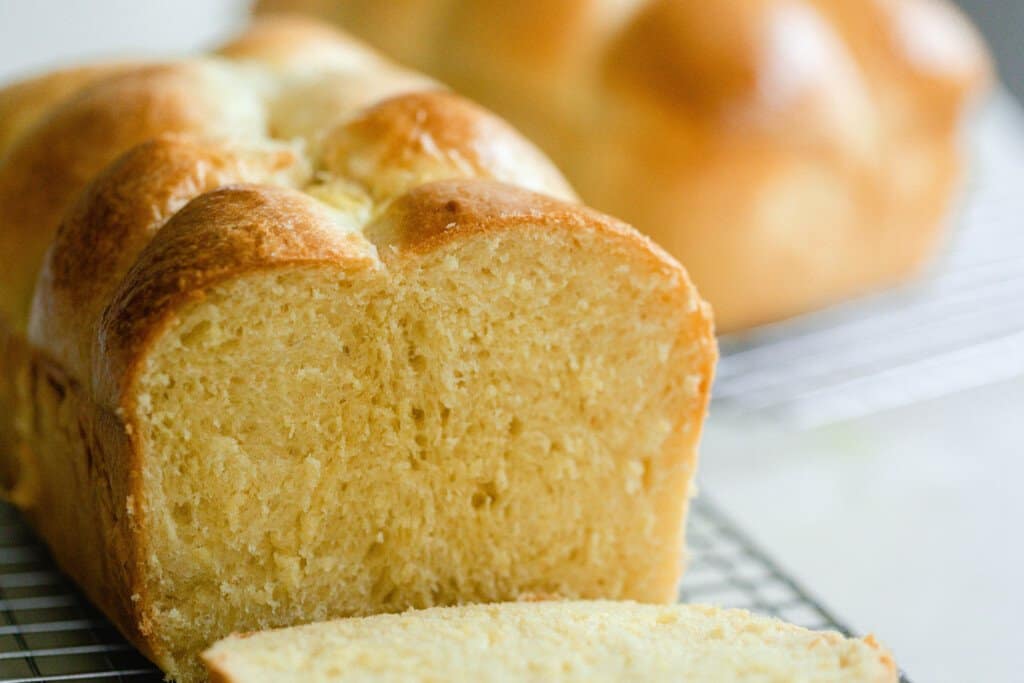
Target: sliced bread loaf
column 312, row 338
column 552, row 641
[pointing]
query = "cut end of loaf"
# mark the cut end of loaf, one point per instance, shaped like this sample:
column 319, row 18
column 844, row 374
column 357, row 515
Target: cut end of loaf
column 512, row 413
column 564, row 641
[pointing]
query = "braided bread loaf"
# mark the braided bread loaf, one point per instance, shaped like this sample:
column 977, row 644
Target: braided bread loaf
column 791, row 153
column 307, row 344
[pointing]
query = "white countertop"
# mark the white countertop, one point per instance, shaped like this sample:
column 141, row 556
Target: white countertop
column 906, row 523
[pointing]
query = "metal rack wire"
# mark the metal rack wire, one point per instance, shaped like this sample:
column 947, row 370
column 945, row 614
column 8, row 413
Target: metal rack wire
column 49, row 632
column 725, row 567
column 728, row 568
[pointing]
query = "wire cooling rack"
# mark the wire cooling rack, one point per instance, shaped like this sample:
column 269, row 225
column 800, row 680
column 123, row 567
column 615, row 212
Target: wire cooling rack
column 960, row 327
column 49, row 632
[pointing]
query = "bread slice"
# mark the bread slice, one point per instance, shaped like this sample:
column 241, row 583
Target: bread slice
column 552, row 641
column 316, row 339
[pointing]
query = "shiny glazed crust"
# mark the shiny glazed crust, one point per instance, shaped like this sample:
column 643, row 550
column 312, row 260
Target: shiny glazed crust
column 132, row 189
column 789, row 153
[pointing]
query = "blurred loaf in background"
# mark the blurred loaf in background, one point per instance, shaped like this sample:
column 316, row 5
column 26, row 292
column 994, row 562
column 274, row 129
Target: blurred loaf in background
column 791, row 153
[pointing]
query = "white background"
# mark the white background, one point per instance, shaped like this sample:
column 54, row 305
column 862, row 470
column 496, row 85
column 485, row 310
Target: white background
column 908, row 524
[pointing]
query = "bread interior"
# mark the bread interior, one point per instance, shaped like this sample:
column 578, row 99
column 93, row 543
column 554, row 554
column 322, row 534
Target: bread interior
column 510, row 414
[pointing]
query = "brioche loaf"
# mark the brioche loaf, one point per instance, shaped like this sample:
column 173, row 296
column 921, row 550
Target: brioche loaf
column 791, row 153
column 551, row 641
column 313, row 338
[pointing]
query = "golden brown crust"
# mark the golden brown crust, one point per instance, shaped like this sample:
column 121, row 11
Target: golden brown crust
column 408, row 139
column 85, row 465
column 703, row 57
column 220, row 234
column 547, row 39
column 810, row 144
column 23, row 104
column 18, row 480
column 47, row 168
column 431, row 215
column 113, row 221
